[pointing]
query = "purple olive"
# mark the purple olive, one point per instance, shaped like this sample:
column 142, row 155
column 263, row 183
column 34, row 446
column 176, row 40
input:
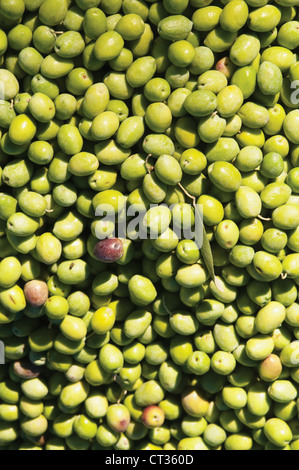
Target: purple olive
column 36, row 293
column 109, row 250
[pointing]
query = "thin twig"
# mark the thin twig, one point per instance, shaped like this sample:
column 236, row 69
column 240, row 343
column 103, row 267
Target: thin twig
column 149, row 168
column 123, row 391
column 165, row 306
column 90, row 335
column 122, row 395
column 267, row 219
column 56, row 32
column 187, row 194
column 206, row 247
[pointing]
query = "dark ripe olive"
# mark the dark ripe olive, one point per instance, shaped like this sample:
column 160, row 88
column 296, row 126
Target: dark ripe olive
column 109, row 250
column 36, row 293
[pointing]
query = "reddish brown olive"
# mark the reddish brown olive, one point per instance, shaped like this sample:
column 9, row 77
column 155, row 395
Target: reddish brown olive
column 36, row 293
column 153, row 416
column 109, row 250
column 270, row 368
column 226, row 66
column 24, row 369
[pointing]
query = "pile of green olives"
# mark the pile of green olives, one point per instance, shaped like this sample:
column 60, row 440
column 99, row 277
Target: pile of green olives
column 120, row 336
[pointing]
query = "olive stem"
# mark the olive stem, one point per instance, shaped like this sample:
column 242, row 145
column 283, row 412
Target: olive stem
column 124, row 391
column 165, row 306
column 187, row 194
column 122, row 395
column 90, row 335
column 206, row 247
column 149, row 168
column 267, row 219
column 284, row 275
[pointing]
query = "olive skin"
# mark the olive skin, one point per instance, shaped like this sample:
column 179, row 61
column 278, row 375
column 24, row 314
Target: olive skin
column 36, row 293
column 109, row 250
